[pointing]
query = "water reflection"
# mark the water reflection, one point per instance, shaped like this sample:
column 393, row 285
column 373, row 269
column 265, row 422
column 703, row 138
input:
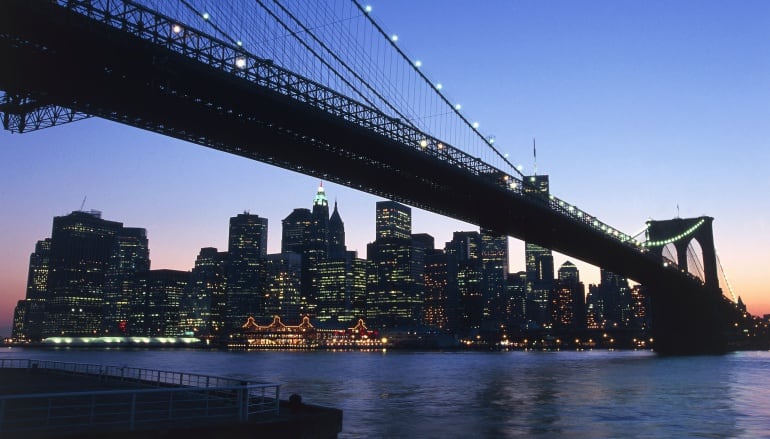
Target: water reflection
column 519, row 394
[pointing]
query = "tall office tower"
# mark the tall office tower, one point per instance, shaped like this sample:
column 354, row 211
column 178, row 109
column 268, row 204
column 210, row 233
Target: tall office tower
column 81, row 247
column 466, row 247
column 31, row 325
column 246, row 250
column 494, row 267
column 317, row 249
column 337, row 247
column 282, row 292
column 130, row 255
column 441, row 305
column 516, row 309
column 610, row 303
column 568, row 300
column 295, row 231
column 393, row 220
column 342, row 289
column 394, row 297
column 539, row 260
column 155, row 311
column 640, row 307
column 19, row 318
column 203, row 305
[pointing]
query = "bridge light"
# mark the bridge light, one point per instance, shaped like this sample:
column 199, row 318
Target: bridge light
column 239, row 43
column 439, row 86
column 394, row 38
column 491, row 139
column 440, row 146
column 418, row 63
column 206, row 16
column 505, row 177
column 505, row 155
column 475, row 124
column 368, row 8
column 176, row 28
column 532, row 179
column 240, row 63
column 458, row 106
column 519, row 167
column 423, row 143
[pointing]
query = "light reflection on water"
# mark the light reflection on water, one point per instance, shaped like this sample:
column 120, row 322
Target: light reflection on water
column 517, row 394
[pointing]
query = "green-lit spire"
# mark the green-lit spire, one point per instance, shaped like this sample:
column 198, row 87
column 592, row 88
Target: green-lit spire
column 320, row 197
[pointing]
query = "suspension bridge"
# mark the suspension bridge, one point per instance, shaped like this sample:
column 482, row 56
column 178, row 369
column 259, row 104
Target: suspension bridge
column 318, row 87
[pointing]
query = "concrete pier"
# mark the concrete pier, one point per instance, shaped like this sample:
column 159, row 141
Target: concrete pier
column 40, row 399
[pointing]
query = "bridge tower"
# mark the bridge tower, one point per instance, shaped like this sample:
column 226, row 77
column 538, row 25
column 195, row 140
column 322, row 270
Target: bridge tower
column 681, row 232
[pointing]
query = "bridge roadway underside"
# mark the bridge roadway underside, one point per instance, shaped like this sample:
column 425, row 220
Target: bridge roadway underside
column 61, row 58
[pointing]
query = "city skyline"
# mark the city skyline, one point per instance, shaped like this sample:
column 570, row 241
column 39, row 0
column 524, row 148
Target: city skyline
column 667, row 82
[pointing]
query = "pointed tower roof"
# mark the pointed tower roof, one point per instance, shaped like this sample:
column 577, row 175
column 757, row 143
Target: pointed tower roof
column 335, row 215
column 320, row 196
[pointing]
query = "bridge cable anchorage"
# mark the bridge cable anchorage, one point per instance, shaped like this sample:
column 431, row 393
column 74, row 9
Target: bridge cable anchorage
column 437, row 90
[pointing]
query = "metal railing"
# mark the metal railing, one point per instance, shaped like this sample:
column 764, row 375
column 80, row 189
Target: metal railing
column 158, row 398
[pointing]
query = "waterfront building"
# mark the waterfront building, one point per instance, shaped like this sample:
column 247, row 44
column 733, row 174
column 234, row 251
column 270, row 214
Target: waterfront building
column 516, row 304
column 155, row 311
column 130, row 255
column 82, row 244
column 278, row 335
column 247, row 249
column 395, row 295
column 203, row 305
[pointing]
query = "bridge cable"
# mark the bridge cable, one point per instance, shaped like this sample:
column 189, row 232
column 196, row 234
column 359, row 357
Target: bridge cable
column 315, row 54
column 344, row 64
column 724, row 275
column 441, row 95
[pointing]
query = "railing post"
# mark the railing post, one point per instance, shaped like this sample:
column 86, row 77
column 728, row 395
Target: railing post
column 277, row 407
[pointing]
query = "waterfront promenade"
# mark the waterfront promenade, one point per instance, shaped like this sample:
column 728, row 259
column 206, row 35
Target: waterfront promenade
column 42, row 399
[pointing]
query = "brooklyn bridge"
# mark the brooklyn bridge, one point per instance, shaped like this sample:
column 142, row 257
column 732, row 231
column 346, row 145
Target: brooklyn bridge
column 263, row 82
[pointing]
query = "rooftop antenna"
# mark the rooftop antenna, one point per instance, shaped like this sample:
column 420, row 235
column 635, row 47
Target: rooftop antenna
column 534, row 151
column 83, row 204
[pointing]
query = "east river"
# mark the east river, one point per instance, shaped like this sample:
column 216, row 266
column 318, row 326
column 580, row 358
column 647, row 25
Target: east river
column 596, row 394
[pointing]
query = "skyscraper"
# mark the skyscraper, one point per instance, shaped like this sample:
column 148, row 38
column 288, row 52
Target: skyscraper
column 155, row 313
column 130, row 255
column 282, row 292
column 342, row 289
column 30, row 324
column 82, row 245
column 539, row 260
column 337, row 247
column 246, row 251
column 568, row 299
column 393, row 220
column 494, row 267
column 203, row 305
column 394, row 298
column 466, row 248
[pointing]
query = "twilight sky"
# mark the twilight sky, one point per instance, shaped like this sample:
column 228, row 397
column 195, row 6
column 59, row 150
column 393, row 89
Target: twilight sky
column 637, row 107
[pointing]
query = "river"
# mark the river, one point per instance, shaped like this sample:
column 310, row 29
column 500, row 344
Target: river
column 592, row 394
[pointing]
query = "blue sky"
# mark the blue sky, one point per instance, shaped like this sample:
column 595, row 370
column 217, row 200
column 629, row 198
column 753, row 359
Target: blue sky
column 637, row 107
